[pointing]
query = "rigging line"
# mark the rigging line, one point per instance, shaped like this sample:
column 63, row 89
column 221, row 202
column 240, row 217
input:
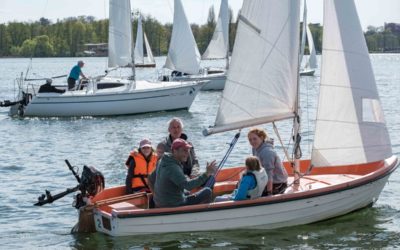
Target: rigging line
column 280, row 140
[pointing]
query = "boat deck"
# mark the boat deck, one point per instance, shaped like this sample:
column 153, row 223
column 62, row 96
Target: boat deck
column 138, row 203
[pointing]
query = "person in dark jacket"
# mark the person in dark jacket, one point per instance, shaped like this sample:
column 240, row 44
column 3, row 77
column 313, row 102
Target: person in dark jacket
column 191, row 166
column 47, row 88
column 169, row 182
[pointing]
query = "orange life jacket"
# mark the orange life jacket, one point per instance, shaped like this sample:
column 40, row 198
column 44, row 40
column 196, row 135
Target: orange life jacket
column 142, row 169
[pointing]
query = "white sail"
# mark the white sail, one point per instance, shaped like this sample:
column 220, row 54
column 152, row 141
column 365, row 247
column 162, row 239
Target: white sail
column 219, row 45
column 139, row 55
column 150, row 57
column 183, row 54
column 312, row 59
column 303, row 33
column 262, row 81
column 350, row 127
column 120, row 34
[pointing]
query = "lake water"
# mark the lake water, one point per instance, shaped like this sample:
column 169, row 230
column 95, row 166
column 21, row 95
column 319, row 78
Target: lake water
column 32, row 153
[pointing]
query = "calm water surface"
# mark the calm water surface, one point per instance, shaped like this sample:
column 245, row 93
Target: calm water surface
column 33, row 150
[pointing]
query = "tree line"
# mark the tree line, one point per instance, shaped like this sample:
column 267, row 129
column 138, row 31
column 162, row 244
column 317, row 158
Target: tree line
column 66, row 38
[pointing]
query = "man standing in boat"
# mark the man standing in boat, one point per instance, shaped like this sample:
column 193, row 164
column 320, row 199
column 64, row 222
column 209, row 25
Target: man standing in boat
column 76, row 71
column 191, row 166
column 169, row 182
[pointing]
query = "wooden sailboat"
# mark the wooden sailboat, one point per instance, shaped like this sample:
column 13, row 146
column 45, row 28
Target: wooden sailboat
column 128, row 96
column 351, row 159
column 307, row 65
column 184, row 56
column 140, row 60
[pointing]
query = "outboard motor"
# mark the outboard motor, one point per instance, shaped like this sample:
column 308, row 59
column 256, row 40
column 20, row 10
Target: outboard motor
column 91, row 183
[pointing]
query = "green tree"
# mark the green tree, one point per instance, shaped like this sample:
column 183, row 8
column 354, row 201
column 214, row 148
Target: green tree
column 28, row 48
column 43, row 47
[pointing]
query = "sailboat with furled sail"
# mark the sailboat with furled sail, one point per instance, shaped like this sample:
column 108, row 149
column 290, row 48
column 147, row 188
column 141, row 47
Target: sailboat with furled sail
column 351, row 159
column 122, row 96
column 140, row 60
column 184, row 58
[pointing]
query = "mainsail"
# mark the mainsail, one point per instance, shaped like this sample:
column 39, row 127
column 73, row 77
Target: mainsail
column 183, row 54
column 312, row 59
column 219, row 45
column 120, row 34
column 262, row 80
column 139, row 54
column 150, row 57
column 311, row 62
column 350, row 127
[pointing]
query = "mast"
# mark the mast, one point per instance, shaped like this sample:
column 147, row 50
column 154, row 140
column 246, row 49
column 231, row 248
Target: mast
column 296, row 154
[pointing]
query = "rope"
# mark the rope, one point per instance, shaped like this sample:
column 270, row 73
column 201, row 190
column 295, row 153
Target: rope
column 280, row 140
column 211, row 181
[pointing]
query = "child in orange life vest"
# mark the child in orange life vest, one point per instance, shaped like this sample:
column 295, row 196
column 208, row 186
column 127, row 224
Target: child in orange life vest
column 140, row 164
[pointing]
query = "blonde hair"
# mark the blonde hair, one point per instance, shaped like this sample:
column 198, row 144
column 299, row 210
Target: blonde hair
column 252, row 163
column 259, row 132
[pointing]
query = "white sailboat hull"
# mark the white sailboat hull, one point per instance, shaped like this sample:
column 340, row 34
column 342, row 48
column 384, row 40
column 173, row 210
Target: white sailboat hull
column 146, row 97
column 215, row 81
column 264, row 213
column 307, row 72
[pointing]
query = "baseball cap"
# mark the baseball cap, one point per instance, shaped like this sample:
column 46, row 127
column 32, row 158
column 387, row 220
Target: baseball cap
column 180, row 143
column 145, row 143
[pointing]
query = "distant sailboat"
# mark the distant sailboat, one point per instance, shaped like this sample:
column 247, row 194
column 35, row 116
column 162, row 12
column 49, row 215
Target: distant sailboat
column 140, row 60
column 184, row 56
column 129, row 96
column 219, row 44
column 308, row 67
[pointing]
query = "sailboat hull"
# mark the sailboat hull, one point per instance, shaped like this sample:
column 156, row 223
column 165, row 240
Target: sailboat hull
column 148, row 65
column 307, row 72
column 145, row 97
column 317, row 200
column 215, row 81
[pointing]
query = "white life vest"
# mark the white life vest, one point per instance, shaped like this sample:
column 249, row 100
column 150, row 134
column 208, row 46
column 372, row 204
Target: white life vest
column 261, row 181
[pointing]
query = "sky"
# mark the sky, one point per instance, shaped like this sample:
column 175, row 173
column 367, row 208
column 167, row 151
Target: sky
column 371, row 12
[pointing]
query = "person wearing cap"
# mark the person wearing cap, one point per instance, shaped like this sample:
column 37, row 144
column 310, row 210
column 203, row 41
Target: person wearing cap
column 76, row 71
column 141, row 164
column 191, row 166
column 169, row 182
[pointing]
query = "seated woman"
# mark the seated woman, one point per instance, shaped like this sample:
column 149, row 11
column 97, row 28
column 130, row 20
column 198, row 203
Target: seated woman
column 252, row 183
column 140, row 164
column 263, row 148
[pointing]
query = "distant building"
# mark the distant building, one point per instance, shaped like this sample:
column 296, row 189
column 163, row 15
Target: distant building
column 393, row 27
column 96, row 49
